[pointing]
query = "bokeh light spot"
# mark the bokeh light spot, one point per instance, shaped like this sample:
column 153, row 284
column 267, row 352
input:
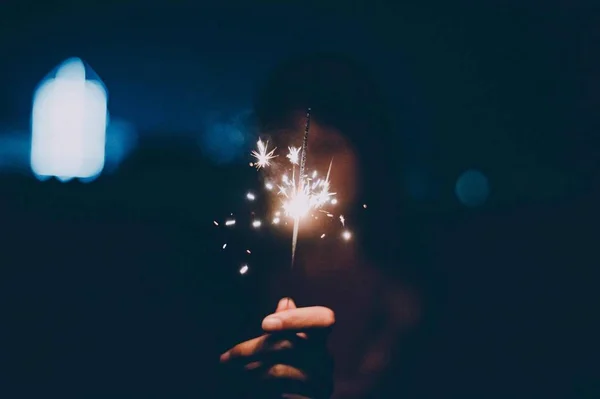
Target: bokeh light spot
column 472, row 188
column 69, row 119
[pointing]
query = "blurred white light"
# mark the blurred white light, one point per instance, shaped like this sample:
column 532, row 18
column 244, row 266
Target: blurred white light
column 69, row 125
column 230, row 222
column 250, row 196
column 244, row 269
column 256, row 223
column 346, row 235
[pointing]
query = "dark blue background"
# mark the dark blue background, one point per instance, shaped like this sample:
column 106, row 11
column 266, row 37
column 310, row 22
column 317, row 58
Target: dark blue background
column 114, row 287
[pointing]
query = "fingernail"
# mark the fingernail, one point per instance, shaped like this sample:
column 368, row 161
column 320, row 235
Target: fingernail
column 272, row 323
column 225, row 357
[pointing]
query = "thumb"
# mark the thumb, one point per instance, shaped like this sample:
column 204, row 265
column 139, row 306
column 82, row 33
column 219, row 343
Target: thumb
column 285, row 304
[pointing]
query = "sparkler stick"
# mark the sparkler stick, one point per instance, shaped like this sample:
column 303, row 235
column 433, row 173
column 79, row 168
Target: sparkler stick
column 301, row 182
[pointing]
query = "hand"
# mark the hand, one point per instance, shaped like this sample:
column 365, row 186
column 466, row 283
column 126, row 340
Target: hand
column 291, row 359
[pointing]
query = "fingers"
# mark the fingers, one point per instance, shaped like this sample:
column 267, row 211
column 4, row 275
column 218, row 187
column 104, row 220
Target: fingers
column 299, row 319
column 285, row 371
column 257, row 347
column 245, row 349
column 290, row 319
column 285, row 381
column 285, row 304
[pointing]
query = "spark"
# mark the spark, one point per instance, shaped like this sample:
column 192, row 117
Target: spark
column 215, row 223
column 244, row 269
column 269, row 186
column 343, row 220
column 323, row 235
column 365, row 206
column 276, row 220
column 230, row 222
column 299, row 198
column 224, row 246
column 250, row 196
column 256, row 224
column 263, row 155
column 334, row 201
column 248, row 252
column 294, row 155
column 346, row 235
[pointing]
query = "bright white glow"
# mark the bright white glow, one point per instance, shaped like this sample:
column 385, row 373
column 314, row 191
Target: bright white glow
column 230, row 222
column 256, row 223
column 69, row 125
column 346, row 235
column 244, row 269
column 250, row 196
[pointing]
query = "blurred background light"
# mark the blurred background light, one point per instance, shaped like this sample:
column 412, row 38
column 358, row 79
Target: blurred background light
column 121, row 140
column 472, row 188
column 68, row 123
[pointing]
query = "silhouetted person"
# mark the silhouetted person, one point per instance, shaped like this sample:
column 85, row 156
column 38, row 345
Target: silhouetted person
column 350, row 124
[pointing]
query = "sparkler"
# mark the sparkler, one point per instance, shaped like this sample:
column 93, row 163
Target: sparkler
column 301, row 194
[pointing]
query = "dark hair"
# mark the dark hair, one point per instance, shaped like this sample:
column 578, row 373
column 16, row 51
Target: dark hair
column 343, row 94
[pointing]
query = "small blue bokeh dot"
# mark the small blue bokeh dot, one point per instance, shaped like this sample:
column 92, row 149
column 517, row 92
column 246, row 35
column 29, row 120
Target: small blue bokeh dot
column 472, row 188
